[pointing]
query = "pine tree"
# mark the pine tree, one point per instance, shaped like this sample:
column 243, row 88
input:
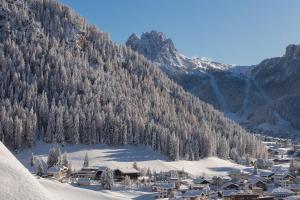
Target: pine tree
column 32, row 160
column 135, row 165
column 86, row 160
column 53, row 157
column 40, row 170
column 65, row 161
column 127, row 182
column 255, row 169
column 69, row 171
column 107, row 179
column 50, row 132
column 149, row 173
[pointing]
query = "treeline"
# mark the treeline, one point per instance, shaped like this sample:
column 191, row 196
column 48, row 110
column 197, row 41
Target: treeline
column 64, row 81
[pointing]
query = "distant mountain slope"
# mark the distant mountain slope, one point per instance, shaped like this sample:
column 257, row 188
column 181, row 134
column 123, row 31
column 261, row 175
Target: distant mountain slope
column 248, row 95
column 64, row 81
column 279, row 79
column 16, row 181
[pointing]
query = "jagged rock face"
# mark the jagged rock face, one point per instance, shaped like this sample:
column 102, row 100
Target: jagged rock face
column 280, row 76
column 161, row 50
column 279, row 79
column 155, row 46
column 254, row 96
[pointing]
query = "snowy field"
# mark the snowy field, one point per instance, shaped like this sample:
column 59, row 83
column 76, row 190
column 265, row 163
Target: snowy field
column 124, row 156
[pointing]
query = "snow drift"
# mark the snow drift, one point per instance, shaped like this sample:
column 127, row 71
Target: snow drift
column 16, row 182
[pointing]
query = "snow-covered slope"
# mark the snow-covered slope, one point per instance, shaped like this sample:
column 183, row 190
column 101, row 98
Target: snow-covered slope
column 246, row 94
column 16, row 182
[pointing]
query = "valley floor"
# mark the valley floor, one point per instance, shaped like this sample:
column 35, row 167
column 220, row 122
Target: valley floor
column 125, row 156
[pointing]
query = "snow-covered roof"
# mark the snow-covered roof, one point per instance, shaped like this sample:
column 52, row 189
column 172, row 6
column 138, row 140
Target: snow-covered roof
column 128, row 170
column 255, row 179
column 265, row 173
column 200, row 180
column 96, row 168
column 54, row 170
column 164, row 185
column 281, row 190
column 231, row 192
column 228, row 184
column 192, row 193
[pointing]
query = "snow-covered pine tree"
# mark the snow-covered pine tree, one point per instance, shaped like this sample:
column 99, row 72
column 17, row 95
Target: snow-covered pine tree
column 127, row 182
column 65, row 67
column 65, row 161
column 53, row 157
column 107, row 179
column 40, row 170
column 149, row 173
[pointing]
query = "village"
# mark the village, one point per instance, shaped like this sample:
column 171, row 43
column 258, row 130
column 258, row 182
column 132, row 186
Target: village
column 276, row 178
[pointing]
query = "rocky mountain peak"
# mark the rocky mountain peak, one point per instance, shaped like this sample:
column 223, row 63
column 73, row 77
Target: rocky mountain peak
column 292, row 50
column 155, row 46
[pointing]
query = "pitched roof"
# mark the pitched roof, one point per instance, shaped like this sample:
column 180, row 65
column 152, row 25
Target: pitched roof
column 281, row 190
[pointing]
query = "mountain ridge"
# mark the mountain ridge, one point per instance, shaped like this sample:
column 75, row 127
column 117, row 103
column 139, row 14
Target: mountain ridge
column 241, row 92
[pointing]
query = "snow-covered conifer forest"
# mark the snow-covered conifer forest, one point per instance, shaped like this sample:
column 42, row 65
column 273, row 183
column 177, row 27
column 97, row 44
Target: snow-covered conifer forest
column 64, row 81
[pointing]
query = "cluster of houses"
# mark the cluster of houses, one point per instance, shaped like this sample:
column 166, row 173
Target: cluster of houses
column 238, row 185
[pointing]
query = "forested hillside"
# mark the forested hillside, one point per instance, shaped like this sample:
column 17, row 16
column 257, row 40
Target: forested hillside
column 64, row 81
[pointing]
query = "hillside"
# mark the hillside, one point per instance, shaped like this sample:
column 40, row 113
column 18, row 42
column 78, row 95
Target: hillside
column 64, row 81
column 261, row 97
column 16, row 181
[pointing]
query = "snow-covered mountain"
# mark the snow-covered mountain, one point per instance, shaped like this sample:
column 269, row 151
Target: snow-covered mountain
column 64, row 81
column 161, row 50
column 254, row 96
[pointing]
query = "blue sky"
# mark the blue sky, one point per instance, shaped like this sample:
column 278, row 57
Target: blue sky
column 231, row 31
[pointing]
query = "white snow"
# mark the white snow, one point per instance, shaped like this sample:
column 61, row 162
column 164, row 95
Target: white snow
column 124, row 157
column 16, row 182
column 64, row 191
